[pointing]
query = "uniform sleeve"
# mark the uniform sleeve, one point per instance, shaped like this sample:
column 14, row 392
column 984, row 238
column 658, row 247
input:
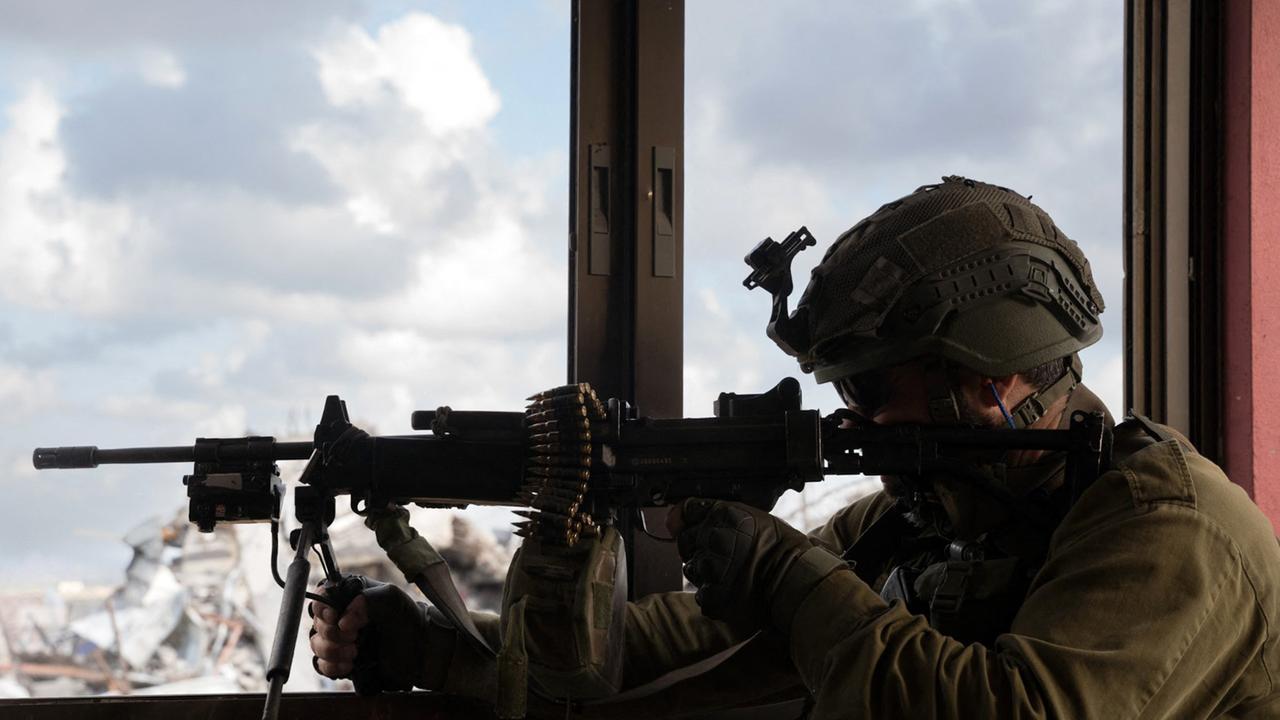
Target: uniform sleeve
column 471, row 673
column 664, row 632
column 667, row 631
column 1140, row 612
column 839, row 532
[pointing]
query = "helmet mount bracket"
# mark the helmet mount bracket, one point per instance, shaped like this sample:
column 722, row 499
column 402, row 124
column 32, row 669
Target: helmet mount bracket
column 770, row 263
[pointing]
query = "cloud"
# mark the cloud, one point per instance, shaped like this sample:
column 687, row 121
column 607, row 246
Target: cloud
column 905, row 81
column 816, row 114
column 1104, row 374
column 407, row 149
column 886, row 97
column 223, row 130
column 416, row 61
column 161, row 68
column 423, row 199
column 419, row 371
column 494, row 282
column 213, row 420
column 86, row 26
column 413, row 158
column 61, row 250
column 25, row 392
column 734, row 198
column 281, row 202
column 233, row 250
column 209, row 240
column 726, row 357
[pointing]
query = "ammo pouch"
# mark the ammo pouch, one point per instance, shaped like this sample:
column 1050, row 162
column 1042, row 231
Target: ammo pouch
column 563, row 614
column 972, row 600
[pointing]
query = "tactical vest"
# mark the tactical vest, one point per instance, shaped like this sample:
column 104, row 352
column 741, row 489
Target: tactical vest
column 971, row 590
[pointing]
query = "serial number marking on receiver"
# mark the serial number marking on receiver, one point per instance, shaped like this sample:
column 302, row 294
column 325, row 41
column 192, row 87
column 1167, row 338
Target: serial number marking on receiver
column 652, row 461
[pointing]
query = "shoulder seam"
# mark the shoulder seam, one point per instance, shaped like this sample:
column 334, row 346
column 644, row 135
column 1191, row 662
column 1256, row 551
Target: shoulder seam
column 1140, row 498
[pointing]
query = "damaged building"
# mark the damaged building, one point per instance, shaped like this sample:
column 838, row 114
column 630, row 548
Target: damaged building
column 196, row 612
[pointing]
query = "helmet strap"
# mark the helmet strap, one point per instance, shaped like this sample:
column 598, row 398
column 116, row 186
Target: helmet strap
column 944, row 409
column 1034, row 406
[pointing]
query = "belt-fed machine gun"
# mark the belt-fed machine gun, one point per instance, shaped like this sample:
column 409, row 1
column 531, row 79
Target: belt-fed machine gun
column 577, row 462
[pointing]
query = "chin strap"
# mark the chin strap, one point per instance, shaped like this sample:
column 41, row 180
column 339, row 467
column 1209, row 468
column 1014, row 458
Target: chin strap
column 944, row 409
column 1033, row 408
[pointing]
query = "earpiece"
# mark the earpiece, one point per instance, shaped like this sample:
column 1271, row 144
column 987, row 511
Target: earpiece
column 1003, row 410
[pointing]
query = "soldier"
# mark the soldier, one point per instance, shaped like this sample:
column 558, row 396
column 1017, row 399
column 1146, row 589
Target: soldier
column 994, row 591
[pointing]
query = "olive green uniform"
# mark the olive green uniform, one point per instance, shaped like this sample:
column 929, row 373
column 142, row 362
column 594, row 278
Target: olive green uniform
column 1156, row 593
column 1159, row 596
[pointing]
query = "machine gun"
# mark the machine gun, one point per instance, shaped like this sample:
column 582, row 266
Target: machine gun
column 577, row 462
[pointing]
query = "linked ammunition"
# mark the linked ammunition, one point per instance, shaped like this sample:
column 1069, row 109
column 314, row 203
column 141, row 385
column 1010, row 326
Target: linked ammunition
column 580, row 461
column 559, row 472
column 565, row 495
column 574, row 389
column 581, row 425
column 566, row 447
column 557, row 401
column 562, row 448
column 557, row 436
column 574, row 412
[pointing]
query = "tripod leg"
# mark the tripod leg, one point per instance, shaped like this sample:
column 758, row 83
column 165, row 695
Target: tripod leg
column 295, row 591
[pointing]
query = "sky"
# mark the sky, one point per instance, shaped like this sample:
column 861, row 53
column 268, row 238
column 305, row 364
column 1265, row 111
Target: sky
column 213, row 215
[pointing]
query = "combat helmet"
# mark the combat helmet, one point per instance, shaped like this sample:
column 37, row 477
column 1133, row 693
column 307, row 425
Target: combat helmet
column 969, row 272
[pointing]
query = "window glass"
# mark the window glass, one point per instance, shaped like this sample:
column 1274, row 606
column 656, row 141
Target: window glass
column 213, row 215
column 815, row 114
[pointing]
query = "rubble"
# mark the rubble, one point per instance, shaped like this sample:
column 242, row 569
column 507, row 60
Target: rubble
column 196, row 612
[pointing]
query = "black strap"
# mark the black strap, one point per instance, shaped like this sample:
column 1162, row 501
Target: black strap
column 1034, row 406
column 870, row 552
column 944, row 409
column 1158, row 432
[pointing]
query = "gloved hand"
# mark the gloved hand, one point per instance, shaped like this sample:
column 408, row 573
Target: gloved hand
column 741, row 559
column 384, row 640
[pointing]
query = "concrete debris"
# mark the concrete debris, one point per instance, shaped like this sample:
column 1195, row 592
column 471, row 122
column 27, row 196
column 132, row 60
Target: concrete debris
column 196, row 612
column 10, row 688
column 137, row 631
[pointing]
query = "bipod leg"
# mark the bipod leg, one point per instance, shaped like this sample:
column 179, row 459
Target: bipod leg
column 295, row 593
column 327, row 559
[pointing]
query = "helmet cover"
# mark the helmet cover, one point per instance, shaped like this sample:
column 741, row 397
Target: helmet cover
column 964, row 270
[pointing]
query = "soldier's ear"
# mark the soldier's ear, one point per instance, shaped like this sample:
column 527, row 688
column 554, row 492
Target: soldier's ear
column 1001, row 386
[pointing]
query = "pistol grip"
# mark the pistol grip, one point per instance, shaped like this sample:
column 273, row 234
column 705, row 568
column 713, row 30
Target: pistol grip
column 364, row 672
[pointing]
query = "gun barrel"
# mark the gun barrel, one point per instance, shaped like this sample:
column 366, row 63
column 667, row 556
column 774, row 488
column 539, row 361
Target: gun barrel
column 89, row 456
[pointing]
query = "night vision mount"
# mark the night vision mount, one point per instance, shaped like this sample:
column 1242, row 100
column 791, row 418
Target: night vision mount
column 770, row 263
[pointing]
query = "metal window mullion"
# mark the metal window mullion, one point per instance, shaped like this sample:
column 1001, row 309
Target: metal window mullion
column 626, row 335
